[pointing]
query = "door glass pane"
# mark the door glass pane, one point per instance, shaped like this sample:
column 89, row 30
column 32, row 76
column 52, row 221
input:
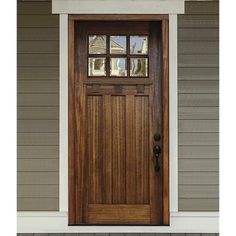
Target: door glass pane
column 118, row 67
column 138, row 44
column 139, row 67
column 97, row 66
column 97, row 44
column 117, row 44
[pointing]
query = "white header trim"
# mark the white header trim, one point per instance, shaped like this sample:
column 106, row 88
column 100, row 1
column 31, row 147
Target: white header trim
column 118, row 6
column 56, row 222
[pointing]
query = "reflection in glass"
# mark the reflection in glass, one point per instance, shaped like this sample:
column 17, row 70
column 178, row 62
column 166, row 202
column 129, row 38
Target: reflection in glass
column 118, row 67
column 139, row 67
column 117, row 44
column 97, row 44
column 97, row 66
column 138, row 44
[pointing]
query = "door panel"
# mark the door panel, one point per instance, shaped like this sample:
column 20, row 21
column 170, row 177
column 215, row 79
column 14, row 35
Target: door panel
column 116, row 108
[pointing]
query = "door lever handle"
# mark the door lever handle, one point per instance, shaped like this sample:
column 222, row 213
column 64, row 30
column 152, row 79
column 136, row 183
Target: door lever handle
column 157, row 152
column 157, row 149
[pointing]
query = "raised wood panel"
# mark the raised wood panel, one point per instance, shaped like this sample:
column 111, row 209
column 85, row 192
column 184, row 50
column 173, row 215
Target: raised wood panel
column 198, row 126
column 38, row 34
column 105, row 113
column 38, row 139
column 198, row 87
column 198, row 152
column 198, row 165
column 198, row 191
column 38, row 113
column 136, row 214
column 38, row 73
column 198, row 178
column 38, row 178
column 198, row 21
column 198, row 61
column 196, row 139
column 35, row 204
column 209, row 8
column 34, row 8
column 198, row 74
column 203, row 204
column 34, row 60
column 198, row 100
column 41, row 152
column 198, row 47
column 118, row 141
column 198, row 34
column 38, row 46
column 37, row 165
column 35, row 86
column 202, row 113
column 38, row 126
column 38, row 100
column 38, row 191
column 37, row 21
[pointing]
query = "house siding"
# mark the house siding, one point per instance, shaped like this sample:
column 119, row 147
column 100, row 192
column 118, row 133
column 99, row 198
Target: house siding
column 38, row 107
column 198, row 109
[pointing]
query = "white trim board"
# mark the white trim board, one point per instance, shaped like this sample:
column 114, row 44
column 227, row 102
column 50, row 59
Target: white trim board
column 173, row 114
column 118, row 7
column 56, row 222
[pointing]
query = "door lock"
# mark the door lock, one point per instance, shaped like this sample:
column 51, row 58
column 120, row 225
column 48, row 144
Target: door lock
column 157, row 152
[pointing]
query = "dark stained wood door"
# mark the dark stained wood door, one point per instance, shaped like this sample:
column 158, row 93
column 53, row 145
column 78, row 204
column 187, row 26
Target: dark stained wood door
column 116, row 108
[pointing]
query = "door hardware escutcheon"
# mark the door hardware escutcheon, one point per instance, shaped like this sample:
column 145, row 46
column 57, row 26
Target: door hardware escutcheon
column 157, row 152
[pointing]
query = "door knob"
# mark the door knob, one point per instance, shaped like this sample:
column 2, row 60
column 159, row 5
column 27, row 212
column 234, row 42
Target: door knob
column 157, row 137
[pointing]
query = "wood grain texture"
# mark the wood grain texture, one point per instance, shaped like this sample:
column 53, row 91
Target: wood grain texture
column 116, row 127
column 118, row 152
column 136, row 214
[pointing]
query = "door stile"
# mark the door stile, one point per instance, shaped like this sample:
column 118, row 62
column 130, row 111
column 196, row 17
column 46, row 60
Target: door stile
column 165, row 89
column 156, row 177
column 71, row 125
column 80, row 114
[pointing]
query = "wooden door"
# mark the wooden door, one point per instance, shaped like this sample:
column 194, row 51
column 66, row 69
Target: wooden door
column 118, row 144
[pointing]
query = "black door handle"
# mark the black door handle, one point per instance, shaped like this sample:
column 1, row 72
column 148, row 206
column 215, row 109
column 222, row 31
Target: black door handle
column 157, row 152
column 156, row 149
